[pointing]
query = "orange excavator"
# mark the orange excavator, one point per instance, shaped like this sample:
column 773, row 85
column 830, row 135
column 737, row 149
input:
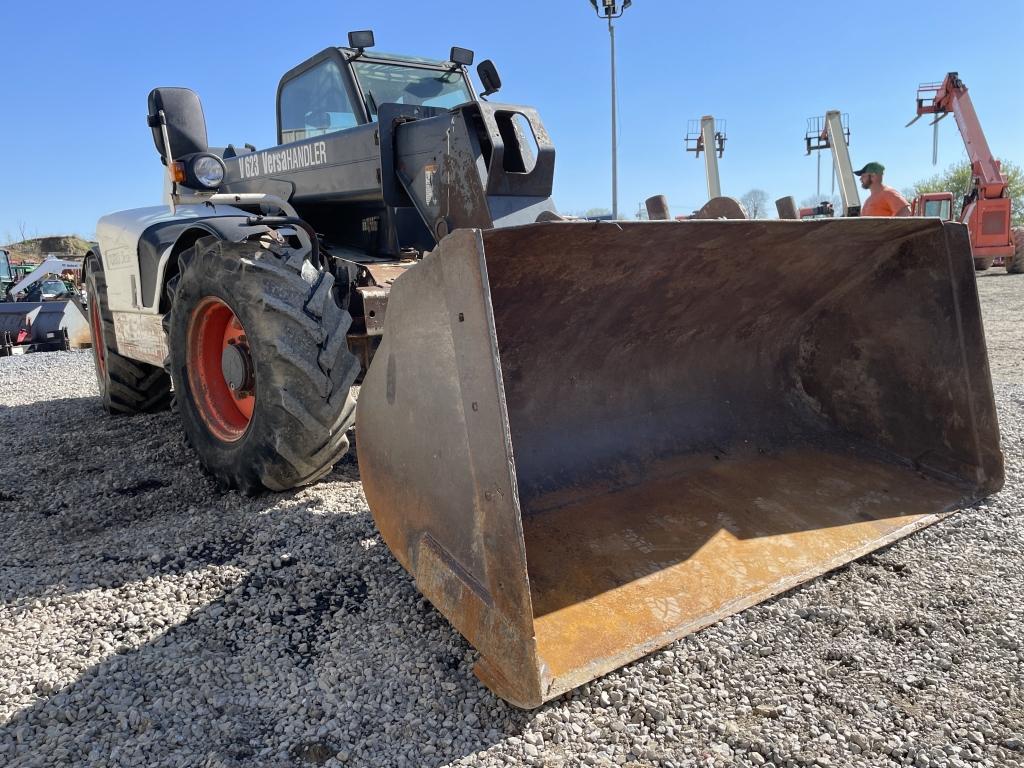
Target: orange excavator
column 986, row 208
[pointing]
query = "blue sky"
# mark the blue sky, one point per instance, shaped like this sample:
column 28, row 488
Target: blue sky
column 74, row 145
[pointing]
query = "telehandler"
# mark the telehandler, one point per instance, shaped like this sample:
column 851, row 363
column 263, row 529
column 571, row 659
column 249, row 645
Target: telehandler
column 987, row 207
column 582, row 439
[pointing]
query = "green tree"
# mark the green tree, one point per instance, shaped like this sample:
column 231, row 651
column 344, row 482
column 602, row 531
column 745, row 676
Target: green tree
column 957, row 179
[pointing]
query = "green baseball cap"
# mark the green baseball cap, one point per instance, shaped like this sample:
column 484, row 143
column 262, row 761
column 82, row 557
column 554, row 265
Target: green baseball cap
column 870, row 168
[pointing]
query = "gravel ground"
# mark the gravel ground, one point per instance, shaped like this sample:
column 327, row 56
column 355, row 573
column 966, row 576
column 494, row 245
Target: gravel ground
column 148, row 619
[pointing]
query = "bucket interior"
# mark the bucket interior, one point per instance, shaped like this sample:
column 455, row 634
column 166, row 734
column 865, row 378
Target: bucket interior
column 704, row 414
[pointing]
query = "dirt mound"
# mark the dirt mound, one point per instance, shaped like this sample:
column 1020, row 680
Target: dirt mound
column 36, row 249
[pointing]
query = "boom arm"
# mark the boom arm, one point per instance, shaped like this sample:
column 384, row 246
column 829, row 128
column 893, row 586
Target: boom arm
column 831, row 133
column 707, row 133
column 843, row 164
column 52, row 265
column 951, row 96
column 709, row 139
column 987, row 208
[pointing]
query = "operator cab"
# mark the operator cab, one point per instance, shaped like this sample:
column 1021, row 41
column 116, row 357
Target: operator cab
column 342, row 88
column 937, row 204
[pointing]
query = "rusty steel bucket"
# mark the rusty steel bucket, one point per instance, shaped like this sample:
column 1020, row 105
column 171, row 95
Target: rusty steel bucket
column 586, row 440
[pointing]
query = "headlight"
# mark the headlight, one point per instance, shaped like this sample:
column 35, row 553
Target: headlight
column 208, row 170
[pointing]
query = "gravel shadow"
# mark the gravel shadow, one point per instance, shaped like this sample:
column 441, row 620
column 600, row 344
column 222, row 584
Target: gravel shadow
column 206, row 627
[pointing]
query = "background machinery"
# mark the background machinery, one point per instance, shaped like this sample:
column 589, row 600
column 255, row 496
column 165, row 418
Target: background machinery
column 52, row 269
column 42, row 311
column 700, row 136
column 10, row 274
column 7, row 278
column 987, row 208
column 830, row 132
column 708, row 137
column 833, row 133
column 582, row 439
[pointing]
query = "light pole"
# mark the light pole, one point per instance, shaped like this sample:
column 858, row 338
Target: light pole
column 609, row 10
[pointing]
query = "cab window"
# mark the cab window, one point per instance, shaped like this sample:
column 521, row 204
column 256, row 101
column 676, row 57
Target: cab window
column 314, row 103
column 385, row 83
column 938, row 208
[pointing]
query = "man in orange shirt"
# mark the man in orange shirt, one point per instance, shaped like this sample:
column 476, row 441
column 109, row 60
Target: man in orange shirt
column 883, row 200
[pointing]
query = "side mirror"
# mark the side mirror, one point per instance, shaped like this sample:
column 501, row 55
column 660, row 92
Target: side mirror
column 183, row 119
column 489, row 78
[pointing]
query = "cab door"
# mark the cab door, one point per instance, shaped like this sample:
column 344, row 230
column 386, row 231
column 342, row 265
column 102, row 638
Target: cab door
column 317, row 98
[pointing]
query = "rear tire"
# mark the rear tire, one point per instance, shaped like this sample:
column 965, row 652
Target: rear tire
column 1016, row 265
column 126, row 386
column 981, row 264
column 261, row 367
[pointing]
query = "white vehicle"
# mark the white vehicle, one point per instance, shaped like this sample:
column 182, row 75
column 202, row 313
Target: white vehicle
column 49, row 274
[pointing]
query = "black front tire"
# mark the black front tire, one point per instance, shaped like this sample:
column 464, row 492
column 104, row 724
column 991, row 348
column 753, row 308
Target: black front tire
column 302, row 370
column 126, row 386
column 1016, row 262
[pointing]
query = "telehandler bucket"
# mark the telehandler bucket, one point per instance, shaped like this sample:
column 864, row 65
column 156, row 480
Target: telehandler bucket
column 587, row 440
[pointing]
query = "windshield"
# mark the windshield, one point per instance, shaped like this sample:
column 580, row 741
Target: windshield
column 402, row 84
column 938, row 208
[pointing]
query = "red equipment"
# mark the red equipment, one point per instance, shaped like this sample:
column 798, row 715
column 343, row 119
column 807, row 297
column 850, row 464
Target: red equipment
column 825, row 210
column 938, row 204
column 986, row 209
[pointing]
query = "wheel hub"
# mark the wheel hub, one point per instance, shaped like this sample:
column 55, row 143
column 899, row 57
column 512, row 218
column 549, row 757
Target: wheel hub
column 221, row 372
column 236, row 365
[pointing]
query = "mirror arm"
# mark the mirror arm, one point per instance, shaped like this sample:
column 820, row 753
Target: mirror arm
column 170, row 159
column 161, row 119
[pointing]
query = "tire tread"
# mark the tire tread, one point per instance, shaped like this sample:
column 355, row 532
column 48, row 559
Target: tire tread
column 300, row 430
column 130, row 386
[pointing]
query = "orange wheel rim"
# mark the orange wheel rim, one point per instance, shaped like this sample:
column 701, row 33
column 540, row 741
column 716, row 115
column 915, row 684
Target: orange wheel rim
column 221, row 372
column 97, row 337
